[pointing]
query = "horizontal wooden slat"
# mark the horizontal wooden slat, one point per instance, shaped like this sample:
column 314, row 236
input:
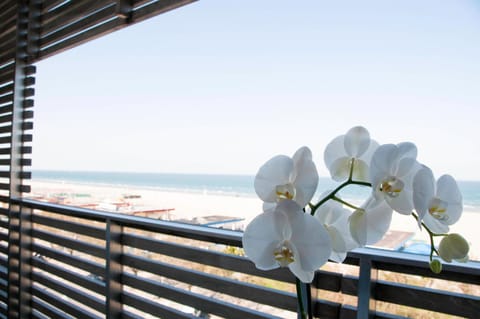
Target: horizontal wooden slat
column 81, row 38
column 6, row 108
column 427, row 298
column 22, row 150
column 7, row 56
column 148, row 306
column 48, row 5
column 5, row 129
column 6, row 98
column 8, row 43
column 24, row 188
column 64, row 289
column 90, row 283
column 29, row 81
column 84, row 247
column 80, row 263
column 69, row 13
column 104, row 14
column 210, row 258
column 6, row 73
column 77, row 228
column 194, row 300
column 156, row 8
column 60, row 303
column 6, row 118
column 220, row 284
column 47, row 310
column 5, row 89
column 8, row 22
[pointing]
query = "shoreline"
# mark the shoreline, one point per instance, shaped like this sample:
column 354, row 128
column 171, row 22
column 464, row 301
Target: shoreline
column 193, row 206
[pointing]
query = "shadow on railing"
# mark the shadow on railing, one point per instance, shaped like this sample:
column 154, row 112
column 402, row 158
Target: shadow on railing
column 63, row 262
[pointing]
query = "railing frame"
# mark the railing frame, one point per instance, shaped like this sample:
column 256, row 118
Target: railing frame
column 369, row 260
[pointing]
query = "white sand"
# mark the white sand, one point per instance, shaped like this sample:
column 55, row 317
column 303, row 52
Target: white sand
column 190, row 205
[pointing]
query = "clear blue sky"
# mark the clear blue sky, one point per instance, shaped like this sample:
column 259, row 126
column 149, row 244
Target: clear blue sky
column 221, row 86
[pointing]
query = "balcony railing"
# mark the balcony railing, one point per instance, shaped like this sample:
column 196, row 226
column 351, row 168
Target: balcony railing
column 63, row 262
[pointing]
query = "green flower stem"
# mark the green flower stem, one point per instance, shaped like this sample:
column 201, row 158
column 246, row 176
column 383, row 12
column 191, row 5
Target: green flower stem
column 300, row 299
column 431, row 235
column 332, row 194
column 341, row 201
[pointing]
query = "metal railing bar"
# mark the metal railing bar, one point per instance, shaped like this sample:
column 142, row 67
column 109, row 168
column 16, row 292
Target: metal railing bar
column 213, row 235
column 428, row 298
column 153, row 308
column 84, row 247
column 86, row 265
column 235, row 288
column 59, row 303
column 43, row 308
column 63, row 289
column 197, row 301
column 77, row 228
column 89, row 283
column 386, row 260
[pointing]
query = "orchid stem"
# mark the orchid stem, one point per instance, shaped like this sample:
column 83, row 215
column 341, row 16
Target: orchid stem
column 431, row 235
column 304, row 300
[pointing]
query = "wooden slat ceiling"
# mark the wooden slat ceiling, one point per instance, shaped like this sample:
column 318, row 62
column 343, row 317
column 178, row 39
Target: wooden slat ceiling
column 60, row 25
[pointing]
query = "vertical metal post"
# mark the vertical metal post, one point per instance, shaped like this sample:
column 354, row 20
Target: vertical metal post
column 366, row 286
column 19, row 235
column 114, row 268
column 14, row 231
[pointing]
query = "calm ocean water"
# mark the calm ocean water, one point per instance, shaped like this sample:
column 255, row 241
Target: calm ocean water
column 236, row 185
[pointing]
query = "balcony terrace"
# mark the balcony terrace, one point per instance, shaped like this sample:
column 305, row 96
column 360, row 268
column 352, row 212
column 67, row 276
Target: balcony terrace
column 59, row 261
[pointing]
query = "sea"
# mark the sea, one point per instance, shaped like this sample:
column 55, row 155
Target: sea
column 229, row 185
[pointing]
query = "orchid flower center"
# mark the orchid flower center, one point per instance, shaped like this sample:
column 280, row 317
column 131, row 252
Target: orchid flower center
column 438, row 208
column 391, row 186
column 286, row 191
column 284, row 254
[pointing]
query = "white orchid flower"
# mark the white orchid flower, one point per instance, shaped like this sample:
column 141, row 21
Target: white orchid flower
column 334, row 217
column 391, row 173
column 283, row 177
column 354, row 146
column 370, row 223
column 287, row 237
column 440, row 205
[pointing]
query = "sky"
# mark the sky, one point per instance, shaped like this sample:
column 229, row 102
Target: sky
column 222, row 86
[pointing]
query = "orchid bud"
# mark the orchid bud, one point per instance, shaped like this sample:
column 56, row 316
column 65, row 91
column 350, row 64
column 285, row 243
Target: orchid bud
column 453, row 247
column 436, row 266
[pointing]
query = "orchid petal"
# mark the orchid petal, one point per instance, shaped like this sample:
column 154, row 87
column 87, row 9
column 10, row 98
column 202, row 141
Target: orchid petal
column 262, row 235
column 340, row 169
column 306, row 176
column 403, row 203
column 423, row 191
column 370, row 224
column 311, row 240
column 360, row 171
column 447, row 190
column 274, row 172
column 435, row 225
column 334, row 150
column 406, row 149
column 356, row 141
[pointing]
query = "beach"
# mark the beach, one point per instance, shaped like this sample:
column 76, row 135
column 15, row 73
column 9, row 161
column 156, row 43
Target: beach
column 191, row 206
